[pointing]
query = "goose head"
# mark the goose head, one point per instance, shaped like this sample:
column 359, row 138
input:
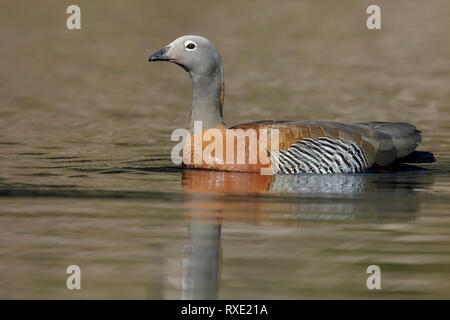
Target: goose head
column 196, row 54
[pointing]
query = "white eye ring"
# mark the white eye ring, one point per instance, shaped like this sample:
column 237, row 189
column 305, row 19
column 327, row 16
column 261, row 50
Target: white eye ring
column 190, row 43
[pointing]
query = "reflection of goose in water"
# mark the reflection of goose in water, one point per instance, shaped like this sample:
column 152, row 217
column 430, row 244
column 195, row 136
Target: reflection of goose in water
column 234, row 195
column 312, row 183
column 202, row 268
column 214, row 197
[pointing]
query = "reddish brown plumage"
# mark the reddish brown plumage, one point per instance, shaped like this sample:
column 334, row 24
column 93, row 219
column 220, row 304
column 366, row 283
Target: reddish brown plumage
column 289, row 133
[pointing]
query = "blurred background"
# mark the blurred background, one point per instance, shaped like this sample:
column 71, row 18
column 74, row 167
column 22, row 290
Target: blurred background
column 86, row 176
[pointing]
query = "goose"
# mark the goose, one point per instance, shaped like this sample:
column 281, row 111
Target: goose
column 320, row 147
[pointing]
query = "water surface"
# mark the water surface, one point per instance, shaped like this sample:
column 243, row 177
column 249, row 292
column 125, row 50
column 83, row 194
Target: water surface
column 86, row 176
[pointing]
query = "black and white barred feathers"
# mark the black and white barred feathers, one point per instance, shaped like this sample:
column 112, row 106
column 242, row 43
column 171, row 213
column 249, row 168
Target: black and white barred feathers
column 320, row 155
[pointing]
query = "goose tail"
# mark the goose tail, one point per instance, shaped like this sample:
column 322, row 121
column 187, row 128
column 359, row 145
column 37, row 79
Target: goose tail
column 398, row 142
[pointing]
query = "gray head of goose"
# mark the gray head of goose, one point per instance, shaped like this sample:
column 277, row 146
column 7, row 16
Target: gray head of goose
column 200, row 58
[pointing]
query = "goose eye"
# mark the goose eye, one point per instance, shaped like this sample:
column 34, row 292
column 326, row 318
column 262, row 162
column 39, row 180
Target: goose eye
column 190, row 45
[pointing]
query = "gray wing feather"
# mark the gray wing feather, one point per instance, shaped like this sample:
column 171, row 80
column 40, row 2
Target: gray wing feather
column 397, row 140
column 321, row 155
